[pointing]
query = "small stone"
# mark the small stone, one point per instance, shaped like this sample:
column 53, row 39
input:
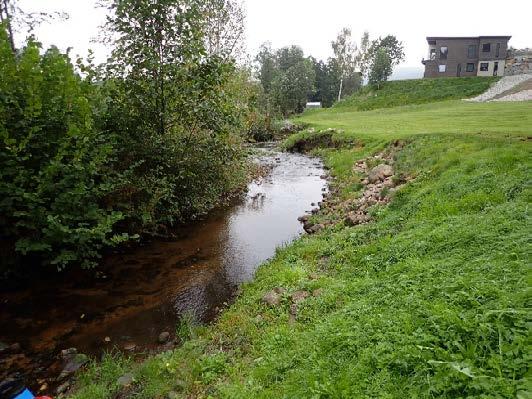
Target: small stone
column 317, row 292
column 130, row 346
column 43, row 387
column 299, row 296
column 107, row 339
column 126, row 380
column 303, row 218
column 379, row 173
column 73, row 364
column 272, row 298
column 354, row 219
column 68, row 352
column 62, row 388
column 163, row 337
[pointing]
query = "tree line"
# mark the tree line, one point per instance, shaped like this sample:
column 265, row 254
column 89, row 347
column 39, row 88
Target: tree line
column 289, row 79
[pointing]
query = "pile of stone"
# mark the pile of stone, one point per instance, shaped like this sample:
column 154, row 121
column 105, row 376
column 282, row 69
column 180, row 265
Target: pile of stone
column 379, row 183
column 504, row 84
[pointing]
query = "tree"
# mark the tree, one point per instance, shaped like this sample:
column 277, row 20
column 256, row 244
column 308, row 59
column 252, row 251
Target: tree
column 381, row 67
column 267, row 66
column 390, row 45
column 292, row 88
column 177, row 123
column 223, row 28
column 14, row 18
column 345, row 56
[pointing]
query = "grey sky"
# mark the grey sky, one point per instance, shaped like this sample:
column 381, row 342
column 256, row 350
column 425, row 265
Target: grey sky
column 312, row 24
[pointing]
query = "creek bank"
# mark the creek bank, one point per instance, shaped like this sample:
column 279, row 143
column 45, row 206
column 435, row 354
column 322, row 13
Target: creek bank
column 134, row 305
column 379, row 181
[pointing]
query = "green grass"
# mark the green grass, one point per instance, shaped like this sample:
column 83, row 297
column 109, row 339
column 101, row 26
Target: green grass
column 416, row 91
column 456, row 117
column 430, row 300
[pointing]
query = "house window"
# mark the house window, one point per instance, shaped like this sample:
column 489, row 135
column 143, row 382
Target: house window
column 486, row 47
column 472, row 51
column 442, row 68
column 497, row 50
column 484, row 66
column 470, row 67
column 443, row 53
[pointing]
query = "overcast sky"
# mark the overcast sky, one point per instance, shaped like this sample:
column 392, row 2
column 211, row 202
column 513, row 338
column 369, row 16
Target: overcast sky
column 312, row 24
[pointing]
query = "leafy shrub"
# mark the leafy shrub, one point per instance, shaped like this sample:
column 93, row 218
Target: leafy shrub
column 54, row 165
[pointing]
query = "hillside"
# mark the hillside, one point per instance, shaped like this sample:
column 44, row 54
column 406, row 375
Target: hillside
column 416, row 91
column 427, row 297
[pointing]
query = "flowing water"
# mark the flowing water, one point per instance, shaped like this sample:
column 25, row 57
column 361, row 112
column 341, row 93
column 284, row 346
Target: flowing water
column 140, row 293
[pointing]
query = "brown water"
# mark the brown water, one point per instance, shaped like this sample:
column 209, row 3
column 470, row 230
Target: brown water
column 142, row 292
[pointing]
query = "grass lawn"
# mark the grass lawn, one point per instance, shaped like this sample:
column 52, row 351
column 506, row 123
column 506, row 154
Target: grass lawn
column 429, row 300
column 441, row 117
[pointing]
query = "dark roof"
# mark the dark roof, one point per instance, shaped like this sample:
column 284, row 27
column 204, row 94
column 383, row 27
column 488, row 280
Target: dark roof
column 467, row 37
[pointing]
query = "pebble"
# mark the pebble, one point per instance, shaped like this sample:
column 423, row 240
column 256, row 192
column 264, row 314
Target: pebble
column 163, row 337
column 130, row 346
column 125, row 380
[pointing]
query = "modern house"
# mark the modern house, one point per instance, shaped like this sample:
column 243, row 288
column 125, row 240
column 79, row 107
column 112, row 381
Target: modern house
column 466, row 56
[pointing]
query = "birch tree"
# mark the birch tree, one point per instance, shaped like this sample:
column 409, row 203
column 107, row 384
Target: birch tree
column 345, row 56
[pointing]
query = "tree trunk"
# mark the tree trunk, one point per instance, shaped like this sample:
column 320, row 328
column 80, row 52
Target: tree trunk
column 340, row 91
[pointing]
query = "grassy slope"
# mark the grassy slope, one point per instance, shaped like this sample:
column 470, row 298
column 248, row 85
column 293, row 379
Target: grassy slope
column 416, row 91
column 429, row 300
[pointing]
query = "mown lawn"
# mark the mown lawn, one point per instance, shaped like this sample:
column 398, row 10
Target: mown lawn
column 455, row 117
column 427, row 301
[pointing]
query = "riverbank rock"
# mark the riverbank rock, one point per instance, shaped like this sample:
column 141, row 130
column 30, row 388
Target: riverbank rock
column 130, row 346
column 62, row 388
column 273, row 297
column 356, row 218
column 74, row 362
column 379, row 173
column 163, row 337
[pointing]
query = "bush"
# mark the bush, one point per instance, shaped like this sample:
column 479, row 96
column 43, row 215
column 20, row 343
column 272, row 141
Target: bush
column 54, row 165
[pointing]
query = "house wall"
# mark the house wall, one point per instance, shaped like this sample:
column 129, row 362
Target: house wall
column 457, row 54
column 458, row 57
column 491, row 67
column 492, row 54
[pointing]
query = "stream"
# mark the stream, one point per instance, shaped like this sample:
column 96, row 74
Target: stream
column 144, row 291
